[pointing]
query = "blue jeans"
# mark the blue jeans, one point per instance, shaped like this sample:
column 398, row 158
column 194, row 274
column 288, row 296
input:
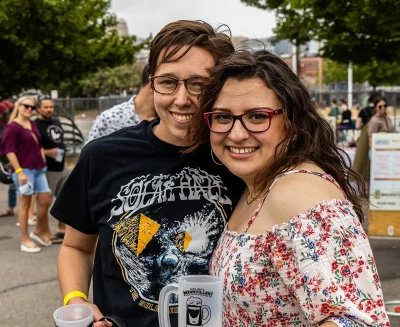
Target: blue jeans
column 37, row 178
column 12, row 196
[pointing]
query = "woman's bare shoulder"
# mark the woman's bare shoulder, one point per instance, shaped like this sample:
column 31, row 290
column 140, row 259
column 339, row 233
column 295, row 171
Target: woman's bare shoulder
column 297, row 193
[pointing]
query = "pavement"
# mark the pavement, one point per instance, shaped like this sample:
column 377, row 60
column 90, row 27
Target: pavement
column 29, row 291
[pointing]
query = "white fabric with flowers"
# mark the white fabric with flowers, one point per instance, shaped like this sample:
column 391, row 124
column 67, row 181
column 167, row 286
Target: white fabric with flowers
column 315, row 268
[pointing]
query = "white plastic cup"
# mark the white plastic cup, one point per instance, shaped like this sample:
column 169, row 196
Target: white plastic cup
column 73, row 315
column 60, row 155
column 25, row 188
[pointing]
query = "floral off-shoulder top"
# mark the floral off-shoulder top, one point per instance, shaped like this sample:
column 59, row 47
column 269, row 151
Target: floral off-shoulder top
column 315, row 268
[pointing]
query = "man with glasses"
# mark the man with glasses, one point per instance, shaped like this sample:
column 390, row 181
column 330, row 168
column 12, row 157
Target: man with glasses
column 54, row 149
column 153, row 213
column 139, row 107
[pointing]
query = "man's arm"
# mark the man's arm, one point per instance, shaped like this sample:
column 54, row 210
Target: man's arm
column 75, row 265
column 51, row 153
column 359, row 123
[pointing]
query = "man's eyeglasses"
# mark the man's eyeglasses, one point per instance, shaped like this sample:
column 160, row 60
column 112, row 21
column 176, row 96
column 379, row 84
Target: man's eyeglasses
column 27, row 106
column 255, row 121
column 168, row 85
column 382, row 106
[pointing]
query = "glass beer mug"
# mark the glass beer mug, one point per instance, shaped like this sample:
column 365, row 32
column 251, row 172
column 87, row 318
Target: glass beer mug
column 199, row 302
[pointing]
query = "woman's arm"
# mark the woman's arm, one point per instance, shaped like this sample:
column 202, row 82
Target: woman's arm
column 75, row 266
column 12, row 158
column 22, row 178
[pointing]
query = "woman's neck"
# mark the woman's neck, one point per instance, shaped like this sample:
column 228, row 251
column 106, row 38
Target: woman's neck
column 25, row 122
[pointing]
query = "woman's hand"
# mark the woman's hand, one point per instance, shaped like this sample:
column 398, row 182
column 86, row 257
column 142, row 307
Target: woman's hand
column 22, row 178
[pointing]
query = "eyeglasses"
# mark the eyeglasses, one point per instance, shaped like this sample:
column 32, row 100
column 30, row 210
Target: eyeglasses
column 168, row 85
column 27, row 106
column 382, row 106
column 255, row 122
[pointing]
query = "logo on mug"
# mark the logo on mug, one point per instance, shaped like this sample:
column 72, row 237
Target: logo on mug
column 197, row 314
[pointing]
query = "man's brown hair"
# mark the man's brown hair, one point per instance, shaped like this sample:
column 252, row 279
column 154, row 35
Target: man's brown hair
column 181, row 33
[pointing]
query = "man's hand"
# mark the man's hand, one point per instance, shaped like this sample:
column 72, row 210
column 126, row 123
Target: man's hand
column 97, row 315
column 51, row 153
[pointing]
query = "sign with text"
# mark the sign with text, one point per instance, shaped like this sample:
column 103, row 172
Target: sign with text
column 385, row 172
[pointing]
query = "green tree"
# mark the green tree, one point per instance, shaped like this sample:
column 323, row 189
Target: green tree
column 359, row 31
column 46, row 42
column 292, row 22
column 374, row 73
column 111, row 80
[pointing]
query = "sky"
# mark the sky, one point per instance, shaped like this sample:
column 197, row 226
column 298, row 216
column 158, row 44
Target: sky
column 149, row 16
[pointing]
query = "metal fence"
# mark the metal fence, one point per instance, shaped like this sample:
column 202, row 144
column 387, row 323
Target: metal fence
column 359, row 97
column 90, row 107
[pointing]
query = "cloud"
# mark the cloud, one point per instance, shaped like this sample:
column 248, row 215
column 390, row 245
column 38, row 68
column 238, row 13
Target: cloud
column 149, row 16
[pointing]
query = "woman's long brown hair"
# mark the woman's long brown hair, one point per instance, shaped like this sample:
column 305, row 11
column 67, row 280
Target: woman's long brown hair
column 308, row 136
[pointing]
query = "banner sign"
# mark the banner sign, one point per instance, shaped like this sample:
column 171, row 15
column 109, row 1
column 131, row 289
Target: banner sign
column 385, row 172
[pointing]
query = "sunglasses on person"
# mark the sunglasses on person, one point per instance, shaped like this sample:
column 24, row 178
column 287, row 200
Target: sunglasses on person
column 382, row 106
column 27, row 106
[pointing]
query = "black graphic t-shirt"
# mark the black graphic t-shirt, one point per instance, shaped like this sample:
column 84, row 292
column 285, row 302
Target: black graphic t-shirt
column 52, row 137
column 158, row 213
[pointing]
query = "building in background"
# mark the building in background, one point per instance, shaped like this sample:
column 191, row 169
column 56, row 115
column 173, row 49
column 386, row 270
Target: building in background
column 122, row 27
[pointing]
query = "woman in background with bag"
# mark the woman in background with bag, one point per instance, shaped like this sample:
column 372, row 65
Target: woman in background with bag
column 21, row 143
column 362, row 162
column 380, row 123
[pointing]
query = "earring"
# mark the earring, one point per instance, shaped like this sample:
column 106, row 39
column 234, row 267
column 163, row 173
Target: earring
column 215, row 161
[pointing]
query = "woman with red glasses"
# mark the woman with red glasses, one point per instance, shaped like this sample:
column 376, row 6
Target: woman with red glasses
column 23, row 146
column 294, row 252
column 380, row 123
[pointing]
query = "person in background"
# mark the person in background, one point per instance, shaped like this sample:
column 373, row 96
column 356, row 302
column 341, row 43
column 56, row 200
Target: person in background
column 139, row 107
column 366, row 113
column 294, row 252
column 334, row 110
column 5, row 112
column 380, row 123
column 12, row 193
column 52, row 135
column 345, row 112
column 144, row 213
column 22, row 144
column 362, row 162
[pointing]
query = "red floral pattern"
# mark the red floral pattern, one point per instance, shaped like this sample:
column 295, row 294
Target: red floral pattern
column 318, row 267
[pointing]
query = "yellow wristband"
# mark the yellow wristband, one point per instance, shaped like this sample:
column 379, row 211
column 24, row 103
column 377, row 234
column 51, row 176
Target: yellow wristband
column 73, row 294
column 17, row 171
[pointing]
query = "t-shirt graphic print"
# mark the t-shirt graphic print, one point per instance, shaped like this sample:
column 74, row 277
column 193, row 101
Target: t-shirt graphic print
column 148, row 242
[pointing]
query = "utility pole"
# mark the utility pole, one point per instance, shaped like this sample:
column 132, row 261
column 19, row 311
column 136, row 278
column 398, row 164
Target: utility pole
column 350, row 86
column 294, row 59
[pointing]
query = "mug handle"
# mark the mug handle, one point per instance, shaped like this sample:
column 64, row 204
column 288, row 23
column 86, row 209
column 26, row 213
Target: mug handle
column 207, row 308
column 163, row 304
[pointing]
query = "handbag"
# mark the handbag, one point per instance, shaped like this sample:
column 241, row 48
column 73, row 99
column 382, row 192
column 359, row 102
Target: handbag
column 5, row 176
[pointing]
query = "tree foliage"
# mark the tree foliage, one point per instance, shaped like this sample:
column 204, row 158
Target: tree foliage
column 46, row 42
column 365, row 32
column 105, row 82
column 360, row 31
column 374, row 73
column 292, row 23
